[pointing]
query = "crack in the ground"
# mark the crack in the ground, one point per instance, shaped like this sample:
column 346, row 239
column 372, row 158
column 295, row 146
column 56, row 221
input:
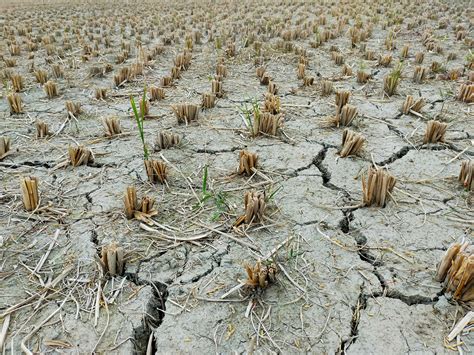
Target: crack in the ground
column 302, row 168
column 216, row 259
column 215, row 151
column 409, row 300
column 153, row 315
column 406, row 149
column 395, row 156
column 360, row 305
column 366, row 256
column 156, row 306
column 34, row 163
column 363, row 250
column 318, row 162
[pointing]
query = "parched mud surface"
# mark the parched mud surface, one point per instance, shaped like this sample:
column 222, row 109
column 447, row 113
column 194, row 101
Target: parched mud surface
column 351, row 279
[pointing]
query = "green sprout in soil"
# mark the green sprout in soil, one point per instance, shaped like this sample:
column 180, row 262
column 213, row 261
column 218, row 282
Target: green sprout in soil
column 391, row 81
column 140, row 118
column 219, row 198
column 204, row 193
column 252, row 117
column 470, row 57
column 218, row 43
column 271, row 193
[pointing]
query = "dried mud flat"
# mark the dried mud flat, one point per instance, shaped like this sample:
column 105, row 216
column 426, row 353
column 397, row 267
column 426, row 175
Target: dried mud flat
column 350, row 278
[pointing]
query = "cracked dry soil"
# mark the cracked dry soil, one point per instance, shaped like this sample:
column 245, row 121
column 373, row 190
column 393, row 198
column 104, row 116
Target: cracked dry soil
column 355, row 280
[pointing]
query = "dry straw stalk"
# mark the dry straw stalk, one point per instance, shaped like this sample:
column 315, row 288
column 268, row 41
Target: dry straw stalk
column 254, row 206
column 112, row 259
column 29, row 191
column 466, row 175
column 466, row 93
column 111, row 126
column 165, row 140
column 261, row 275
column 51, row 89
column 186, row 113
column 130, row 201
column 156, row 93
column 411, row 105
column 378, row 186
column 435, row 132
column 352, row 143
column 156, row 171
column 208, row 100
column 5, row 146
column 73, row 108
column 42, row 130
column 80, row 155
column 456, row 271
column 15, row 103
column 247, row 162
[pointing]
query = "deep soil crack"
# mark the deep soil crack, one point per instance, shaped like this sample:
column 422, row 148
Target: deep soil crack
column 154, row 312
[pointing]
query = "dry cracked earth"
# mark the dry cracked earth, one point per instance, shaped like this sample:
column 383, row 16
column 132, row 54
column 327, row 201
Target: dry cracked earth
column 350, row 278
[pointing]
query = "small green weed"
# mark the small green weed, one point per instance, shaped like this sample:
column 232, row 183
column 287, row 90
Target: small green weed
column 140, row 118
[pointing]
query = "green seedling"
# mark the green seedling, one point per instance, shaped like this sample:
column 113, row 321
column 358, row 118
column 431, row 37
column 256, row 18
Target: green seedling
column 140, row 118
column 470, row 57
column 391, row 81
column 205, row 195
column 218, row 43
column 218, row 198
column 221, row 205
column 271, row 194
column 252, row 117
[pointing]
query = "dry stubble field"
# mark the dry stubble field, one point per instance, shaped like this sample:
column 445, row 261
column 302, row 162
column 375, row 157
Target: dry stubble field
column 331, row 268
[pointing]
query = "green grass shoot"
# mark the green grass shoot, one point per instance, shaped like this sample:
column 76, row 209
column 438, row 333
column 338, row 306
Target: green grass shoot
column 140, row 118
